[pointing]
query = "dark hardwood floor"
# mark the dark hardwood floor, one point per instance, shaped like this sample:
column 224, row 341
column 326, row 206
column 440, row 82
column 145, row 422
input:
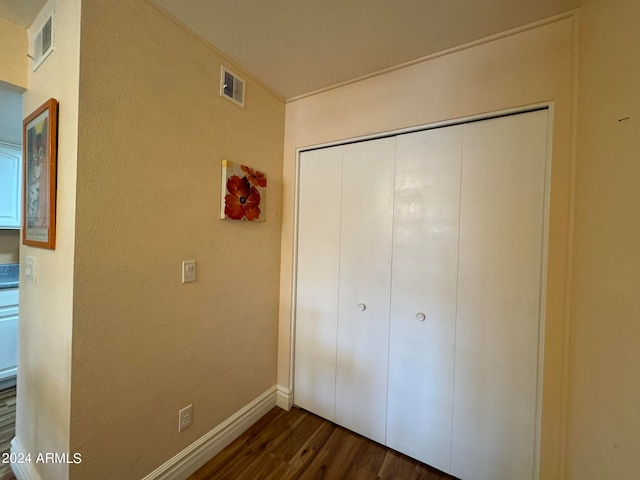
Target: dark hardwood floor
column 302, row 446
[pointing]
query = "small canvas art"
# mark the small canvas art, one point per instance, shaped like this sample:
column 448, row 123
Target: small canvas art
column 244, row 193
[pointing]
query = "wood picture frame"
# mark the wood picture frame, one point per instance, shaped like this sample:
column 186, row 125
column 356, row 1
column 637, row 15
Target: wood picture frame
column 39, row 160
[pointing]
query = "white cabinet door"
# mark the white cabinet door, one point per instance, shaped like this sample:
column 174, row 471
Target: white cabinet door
column 10, row 185
column 423, row 299
column 499, row 294
column 8, row 333
column 365, row 275
column 318, row 258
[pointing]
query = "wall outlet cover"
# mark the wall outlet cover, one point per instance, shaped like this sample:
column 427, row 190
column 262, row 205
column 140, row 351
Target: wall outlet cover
column 185, row 416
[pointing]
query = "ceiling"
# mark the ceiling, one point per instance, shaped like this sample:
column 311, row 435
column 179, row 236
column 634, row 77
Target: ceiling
column 300, row 46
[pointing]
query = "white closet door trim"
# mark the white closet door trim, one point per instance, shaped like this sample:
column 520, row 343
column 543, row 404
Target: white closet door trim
column 543, row 287
column 426, row 126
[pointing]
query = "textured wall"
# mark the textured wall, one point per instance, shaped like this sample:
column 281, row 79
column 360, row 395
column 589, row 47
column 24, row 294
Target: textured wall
column 46, row 307
column 604, row 427
column 13, row 61
column 152, row 133
column 532, row 66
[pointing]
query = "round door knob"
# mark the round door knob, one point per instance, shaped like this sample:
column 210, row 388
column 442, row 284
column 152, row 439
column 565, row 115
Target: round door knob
column 362, row 307
column 421, row 316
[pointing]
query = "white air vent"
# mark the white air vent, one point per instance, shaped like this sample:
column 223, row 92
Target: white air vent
column 232, row 87
column 44, row 42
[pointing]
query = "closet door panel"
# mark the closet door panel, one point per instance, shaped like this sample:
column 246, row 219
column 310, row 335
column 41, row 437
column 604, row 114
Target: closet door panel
column 318, row 258
column 500, row 268
column 424, row 281
column 363, row 304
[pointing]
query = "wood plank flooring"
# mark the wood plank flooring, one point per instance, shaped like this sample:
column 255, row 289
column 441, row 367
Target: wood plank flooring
column 298, row 445
column 7, row 427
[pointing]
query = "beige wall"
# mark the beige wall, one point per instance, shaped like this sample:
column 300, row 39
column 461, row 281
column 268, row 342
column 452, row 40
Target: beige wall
column 13, row 61
column 604, row 427
column 9, row 246
column 152, row 133
column 533, row 66
column 46, row 307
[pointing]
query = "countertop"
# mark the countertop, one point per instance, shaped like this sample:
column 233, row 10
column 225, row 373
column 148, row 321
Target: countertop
column 9, row 275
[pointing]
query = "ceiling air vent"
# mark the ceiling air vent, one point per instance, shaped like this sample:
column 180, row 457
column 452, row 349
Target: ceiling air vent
column 44, row 42
column 232, row 87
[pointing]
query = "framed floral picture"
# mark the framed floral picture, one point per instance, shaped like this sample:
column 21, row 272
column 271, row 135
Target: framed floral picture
column 244, row 193
column 40, row 133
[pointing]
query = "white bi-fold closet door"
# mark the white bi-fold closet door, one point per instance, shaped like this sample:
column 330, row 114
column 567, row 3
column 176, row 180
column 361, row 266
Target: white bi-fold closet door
column 343, row 290
column 424, row 286
column 418, row 292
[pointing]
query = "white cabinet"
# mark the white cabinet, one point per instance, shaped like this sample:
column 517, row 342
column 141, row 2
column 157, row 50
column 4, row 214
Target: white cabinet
column 10, row 185
column 418, row 292
column 8, row 333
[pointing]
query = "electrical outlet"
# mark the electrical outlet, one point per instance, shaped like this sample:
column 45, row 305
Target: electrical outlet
column 185, row 416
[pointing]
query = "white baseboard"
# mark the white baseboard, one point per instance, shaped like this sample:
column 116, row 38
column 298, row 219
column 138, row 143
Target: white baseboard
column 22, row 471
column 284, row 397
column 185, row 463
column 202, row 450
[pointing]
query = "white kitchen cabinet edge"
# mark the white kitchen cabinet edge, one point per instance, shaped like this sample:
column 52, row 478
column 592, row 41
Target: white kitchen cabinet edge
column 10, row 185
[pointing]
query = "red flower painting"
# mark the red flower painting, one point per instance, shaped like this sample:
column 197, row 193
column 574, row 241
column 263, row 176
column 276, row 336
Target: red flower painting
column 256, row 178
column 243, row 192
column 243, row 199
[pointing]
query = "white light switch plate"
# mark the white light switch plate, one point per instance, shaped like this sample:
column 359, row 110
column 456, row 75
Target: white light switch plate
column 30, row 269
column 188, row 271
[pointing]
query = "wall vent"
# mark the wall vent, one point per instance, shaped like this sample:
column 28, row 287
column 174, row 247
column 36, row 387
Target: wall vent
column 232, row 87
column 44, row 42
